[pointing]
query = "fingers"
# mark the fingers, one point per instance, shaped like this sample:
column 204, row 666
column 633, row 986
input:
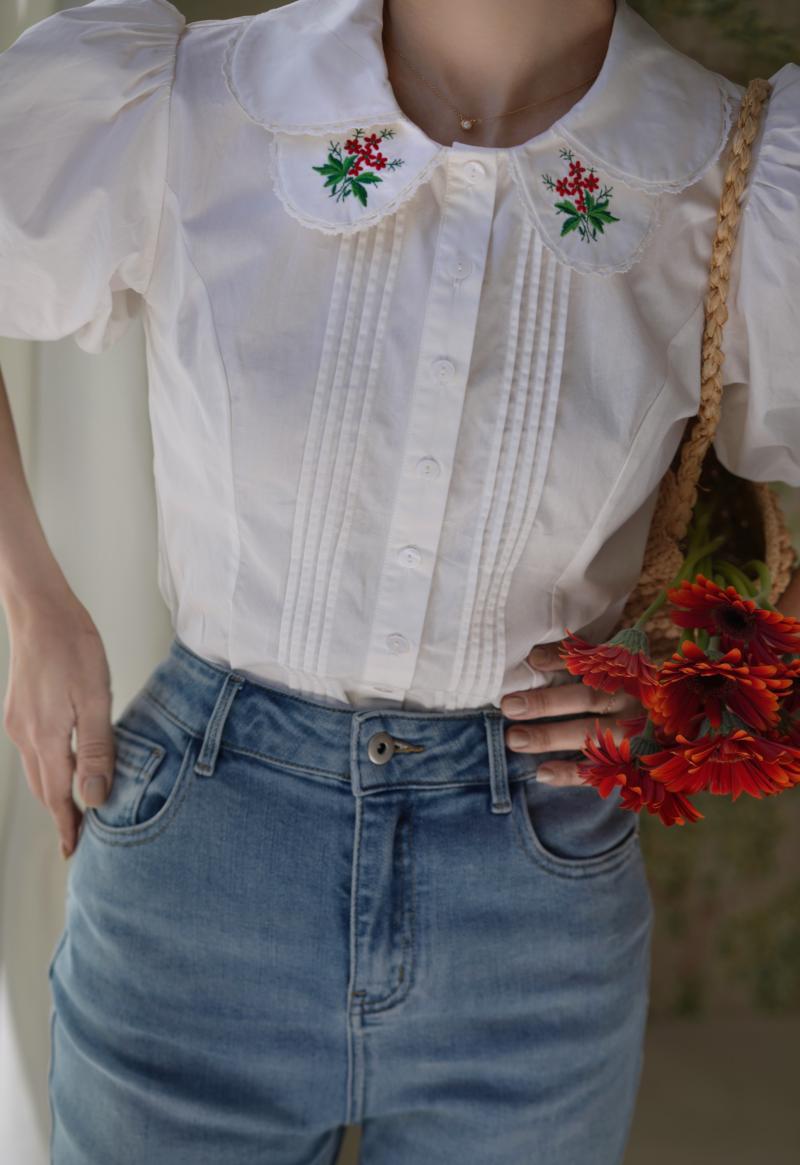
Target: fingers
column 546, row 657
column 560, row 700
column 59, row 681
column 533, row 733
column 564, row 734
column 559, row 772
column 30, row 763
column 56, row 767
column 49, row 776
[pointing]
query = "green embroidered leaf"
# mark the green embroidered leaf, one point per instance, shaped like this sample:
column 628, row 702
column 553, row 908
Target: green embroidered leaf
column 335, row 169
column 359, row 191
column 595, row 222
column 569, row 207
column 587, row 198
column 333, row 180
column 570, row 224
column 603, row 216
column 369, row 177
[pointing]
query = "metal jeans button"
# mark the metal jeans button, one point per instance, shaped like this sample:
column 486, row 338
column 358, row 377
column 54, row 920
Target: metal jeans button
column 381, row 748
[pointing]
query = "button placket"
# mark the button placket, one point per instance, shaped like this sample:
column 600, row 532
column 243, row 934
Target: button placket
column 434, row 422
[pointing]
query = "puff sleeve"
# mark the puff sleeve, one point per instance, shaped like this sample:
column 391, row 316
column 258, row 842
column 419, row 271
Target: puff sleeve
column 84, row 128
column 758, row 436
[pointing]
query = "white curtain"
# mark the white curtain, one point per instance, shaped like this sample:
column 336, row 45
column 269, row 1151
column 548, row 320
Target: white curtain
column 83, row 429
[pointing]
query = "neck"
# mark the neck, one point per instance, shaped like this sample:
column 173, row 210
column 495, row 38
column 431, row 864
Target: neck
column 490, row 56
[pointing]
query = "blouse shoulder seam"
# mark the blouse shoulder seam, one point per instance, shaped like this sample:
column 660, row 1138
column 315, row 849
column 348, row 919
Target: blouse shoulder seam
column 160, row 221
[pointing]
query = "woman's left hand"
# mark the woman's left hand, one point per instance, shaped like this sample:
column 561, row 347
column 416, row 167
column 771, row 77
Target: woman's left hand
column 559, row 700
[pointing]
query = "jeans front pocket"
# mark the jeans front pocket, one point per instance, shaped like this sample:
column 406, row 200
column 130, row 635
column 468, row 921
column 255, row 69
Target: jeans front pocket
column 572, row 830
column 153, row 771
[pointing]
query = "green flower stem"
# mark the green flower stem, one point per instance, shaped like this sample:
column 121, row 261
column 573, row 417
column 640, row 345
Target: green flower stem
column 688, row 568
column 765, row 582
column 744, row 585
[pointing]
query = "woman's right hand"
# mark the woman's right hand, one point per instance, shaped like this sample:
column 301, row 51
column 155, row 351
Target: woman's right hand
column 59, row 680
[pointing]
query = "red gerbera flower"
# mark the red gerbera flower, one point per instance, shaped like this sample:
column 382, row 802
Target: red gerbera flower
column 738, row 621
column 608, row 764
column 694, row 685
column 655, row 797
column 622, row 662
column 727, row 764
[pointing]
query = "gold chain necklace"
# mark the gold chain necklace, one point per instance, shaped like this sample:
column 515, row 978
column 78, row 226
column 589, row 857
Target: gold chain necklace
column 470, row 122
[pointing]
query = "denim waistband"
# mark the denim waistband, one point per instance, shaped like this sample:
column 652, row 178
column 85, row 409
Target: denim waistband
column 372, row 750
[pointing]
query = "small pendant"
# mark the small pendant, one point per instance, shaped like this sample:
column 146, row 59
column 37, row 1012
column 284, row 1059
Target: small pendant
column 467, row 122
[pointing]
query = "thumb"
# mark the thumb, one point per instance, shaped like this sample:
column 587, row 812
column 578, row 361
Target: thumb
column 94, row 757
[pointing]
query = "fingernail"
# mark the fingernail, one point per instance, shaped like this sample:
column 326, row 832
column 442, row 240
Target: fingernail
column 516, row 736
column 545, row 775
column 65, row 852
column 94, row 789
column 538, row 655
column 514, row 704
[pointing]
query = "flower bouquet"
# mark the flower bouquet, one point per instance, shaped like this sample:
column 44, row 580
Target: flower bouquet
column 722, row 713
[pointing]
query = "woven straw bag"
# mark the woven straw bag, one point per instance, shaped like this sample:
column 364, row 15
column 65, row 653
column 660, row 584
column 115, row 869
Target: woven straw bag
column 753, row 507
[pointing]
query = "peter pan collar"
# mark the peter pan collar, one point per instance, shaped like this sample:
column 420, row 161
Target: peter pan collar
column 313, row 72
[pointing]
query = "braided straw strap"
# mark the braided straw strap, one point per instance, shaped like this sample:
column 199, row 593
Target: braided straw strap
column 701, row 435
column 678, row 490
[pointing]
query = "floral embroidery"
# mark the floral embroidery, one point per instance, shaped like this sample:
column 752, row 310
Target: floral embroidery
column 351, row 172
column 589, row 213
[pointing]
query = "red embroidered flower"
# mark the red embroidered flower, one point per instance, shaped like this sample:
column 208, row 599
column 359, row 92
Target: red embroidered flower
column 587, row 214
column 353, row 170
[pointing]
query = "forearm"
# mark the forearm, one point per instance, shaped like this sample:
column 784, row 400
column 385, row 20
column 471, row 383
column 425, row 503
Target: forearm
column 29, row 572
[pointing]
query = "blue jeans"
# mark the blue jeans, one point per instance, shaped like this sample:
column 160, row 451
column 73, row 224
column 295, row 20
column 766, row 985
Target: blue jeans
column 288, row 917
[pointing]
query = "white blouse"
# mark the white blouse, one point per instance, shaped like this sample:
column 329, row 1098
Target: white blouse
column 410, row 402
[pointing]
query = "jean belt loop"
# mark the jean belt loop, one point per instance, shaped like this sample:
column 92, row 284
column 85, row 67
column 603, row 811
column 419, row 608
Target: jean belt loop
column 207, row 758
column 498, row 769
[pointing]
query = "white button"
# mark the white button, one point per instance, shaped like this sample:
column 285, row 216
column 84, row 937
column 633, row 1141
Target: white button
column 460, row 268
column 474, row 171
column 397, row 643
column 444, row 370
column 428, row 467
column 409, row 556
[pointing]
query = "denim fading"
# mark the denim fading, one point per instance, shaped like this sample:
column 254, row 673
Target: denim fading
column 277, row 926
